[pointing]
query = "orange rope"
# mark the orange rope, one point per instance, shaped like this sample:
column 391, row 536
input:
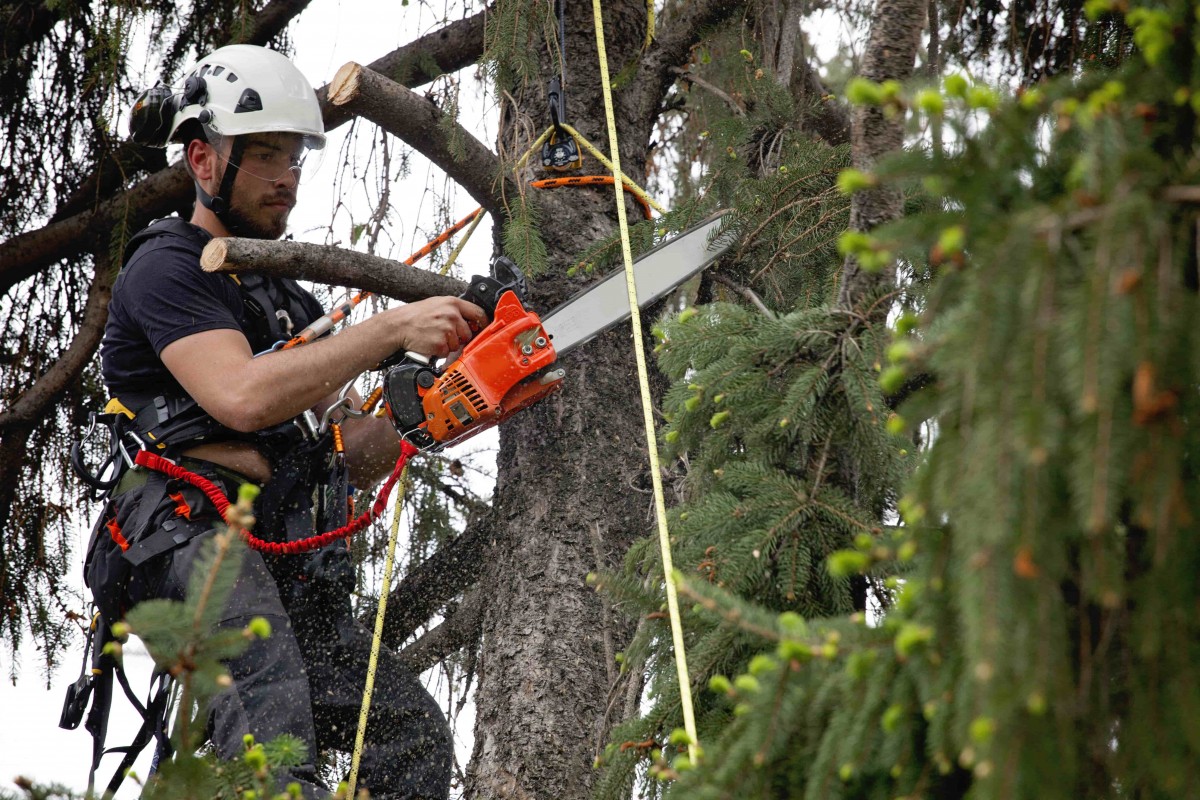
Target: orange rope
column 589, row 180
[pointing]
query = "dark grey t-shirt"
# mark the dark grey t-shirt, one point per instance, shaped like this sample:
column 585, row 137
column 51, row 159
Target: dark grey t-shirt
column 162, row 295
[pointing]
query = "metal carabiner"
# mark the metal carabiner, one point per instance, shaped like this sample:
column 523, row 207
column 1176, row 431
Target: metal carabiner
column 344, row 403
column 129, row 462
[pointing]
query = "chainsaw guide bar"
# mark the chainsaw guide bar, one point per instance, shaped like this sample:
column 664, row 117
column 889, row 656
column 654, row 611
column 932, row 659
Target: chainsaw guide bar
column 508, row 366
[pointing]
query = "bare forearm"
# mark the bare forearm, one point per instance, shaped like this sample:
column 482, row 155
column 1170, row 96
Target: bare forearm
column 293, row 381
column 372, row 447
column 248, row 394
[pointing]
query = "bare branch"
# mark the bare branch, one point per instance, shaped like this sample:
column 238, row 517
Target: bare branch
column 420, row 123
column 745, row 291
column 270, row 22
column 459, row 629
column 733, row 105
column 327, row 264
column 46, row 389
column 444, row 575
column 673, row 48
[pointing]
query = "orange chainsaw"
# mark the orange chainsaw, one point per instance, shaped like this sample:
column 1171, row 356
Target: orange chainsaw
column 510, row 364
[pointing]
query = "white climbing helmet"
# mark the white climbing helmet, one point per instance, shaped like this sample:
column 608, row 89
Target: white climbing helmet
column 243, row 89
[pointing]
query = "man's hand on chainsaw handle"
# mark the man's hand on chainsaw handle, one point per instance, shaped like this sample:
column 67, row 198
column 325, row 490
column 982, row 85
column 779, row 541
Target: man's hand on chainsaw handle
column 436, row 326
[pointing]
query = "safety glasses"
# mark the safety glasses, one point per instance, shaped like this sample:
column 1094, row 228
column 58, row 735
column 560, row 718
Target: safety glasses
column 271, row 158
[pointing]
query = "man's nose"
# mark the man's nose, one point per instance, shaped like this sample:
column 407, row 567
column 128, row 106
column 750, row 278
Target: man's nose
column 291, row 177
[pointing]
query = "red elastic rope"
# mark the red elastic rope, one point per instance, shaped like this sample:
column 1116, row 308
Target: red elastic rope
column 172, row 470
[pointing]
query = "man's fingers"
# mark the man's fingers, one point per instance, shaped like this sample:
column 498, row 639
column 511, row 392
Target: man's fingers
column 473, row 314
column 464, row 331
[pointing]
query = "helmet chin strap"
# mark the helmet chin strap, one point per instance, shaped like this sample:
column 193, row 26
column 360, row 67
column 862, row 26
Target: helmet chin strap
column 221, row 203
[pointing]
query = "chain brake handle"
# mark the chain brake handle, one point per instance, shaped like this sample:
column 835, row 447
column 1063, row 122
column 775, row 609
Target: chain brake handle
column 485, row 292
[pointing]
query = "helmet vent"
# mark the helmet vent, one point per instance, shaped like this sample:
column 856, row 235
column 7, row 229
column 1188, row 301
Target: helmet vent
column 249, row 101
column 231, row 77
column 217, row 70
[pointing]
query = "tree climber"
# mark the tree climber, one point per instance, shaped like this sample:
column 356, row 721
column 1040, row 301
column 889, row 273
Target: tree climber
column 178, row 359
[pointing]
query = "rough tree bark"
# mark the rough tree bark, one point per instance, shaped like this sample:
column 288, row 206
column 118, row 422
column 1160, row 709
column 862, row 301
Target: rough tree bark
column 891, row 52
column 572, row 491
column 569, row 470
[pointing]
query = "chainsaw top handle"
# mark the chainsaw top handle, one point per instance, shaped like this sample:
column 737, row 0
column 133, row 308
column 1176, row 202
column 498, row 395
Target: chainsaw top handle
column 484, row 291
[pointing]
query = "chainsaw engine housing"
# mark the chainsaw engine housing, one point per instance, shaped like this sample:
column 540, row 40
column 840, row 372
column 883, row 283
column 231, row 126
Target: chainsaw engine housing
column 505, row 368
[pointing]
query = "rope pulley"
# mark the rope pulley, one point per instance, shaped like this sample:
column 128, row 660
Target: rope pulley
column 560, row 153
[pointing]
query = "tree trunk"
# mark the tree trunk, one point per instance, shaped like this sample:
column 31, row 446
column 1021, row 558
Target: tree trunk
column 571, row 494
column 891, row 51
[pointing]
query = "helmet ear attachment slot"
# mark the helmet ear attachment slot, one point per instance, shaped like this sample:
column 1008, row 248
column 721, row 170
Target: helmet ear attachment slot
column 195, row 90
column 249, row 101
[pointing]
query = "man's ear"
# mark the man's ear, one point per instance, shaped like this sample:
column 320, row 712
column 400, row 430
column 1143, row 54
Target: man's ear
column 201, row 159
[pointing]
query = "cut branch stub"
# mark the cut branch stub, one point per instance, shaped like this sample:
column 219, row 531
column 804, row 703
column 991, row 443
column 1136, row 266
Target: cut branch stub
column 327, row 264
column 421, row 124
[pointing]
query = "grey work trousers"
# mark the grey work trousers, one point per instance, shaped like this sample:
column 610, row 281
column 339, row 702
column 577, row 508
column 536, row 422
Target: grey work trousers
column 307, row 678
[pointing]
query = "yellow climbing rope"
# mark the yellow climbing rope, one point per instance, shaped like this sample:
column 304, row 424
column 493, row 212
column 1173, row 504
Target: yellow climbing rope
column 685, row 687
column 377, row 638
column 388, row 566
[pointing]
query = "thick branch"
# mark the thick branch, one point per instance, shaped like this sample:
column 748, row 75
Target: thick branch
column 447, row 50
column 38, row 397
column 443, row 576
column 890, row 54
column 459, row 629
column 420, row 123
column 24, row 255
column 823, row 114
column 269, row 23
column 327, row 264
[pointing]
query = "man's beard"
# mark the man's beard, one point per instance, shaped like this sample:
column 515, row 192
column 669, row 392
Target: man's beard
column 240, row 223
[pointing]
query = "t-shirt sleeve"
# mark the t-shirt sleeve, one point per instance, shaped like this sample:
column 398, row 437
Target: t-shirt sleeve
column 169, row 297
